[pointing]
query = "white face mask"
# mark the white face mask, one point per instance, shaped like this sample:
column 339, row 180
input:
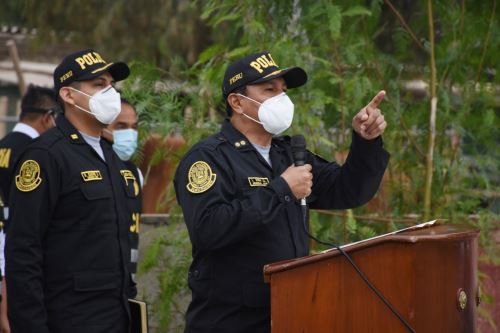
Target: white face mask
column 104, row 105
column 275, row 113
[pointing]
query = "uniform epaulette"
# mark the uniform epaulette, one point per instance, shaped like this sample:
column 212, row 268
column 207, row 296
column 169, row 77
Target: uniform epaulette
column 211, row 142
column 47, row 140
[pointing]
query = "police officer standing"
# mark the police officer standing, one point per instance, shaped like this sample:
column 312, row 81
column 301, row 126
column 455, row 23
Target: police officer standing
column 240, row 194
column 38, row 111
column 122, row 134
column 67, row 247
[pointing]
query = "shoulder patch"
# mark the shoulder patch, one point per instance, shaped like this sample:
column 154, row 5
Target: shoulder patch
column 200, row 177
column 28, row 178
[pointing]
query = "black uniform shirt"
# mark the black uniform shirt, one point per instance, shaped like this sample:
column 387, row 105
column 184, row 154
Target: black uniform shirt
column 11, row 147
column 67, row 250
column 242, row 215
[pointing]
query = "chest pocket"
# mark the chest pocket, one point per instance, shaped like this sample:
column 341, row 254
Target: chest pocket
column 96, row 190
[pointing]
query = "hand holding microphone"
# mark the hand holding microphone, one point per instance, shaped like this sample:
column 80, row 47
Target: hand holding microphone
column 299, row 176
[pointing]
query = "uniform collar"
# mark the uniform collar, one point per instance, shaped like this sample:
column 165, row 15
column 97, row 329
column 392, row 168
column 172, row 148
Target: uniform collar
column 69, row 131
column 239, row 141
column 235, row 137
column 26, row 129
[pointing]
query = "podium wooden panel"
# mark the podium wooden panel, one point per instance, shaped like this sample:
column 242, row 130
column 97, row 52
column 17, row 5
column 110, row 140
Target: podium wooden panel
column 421, row 272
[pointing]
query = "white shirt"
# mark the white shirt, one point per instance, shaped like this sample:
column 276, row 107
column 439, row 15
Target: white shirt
column 94, row 142
column 264, row 151
column 26, row 129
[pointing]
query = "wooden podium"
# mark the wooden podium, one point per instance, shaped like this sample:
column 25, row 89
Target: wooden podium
column 428, row 273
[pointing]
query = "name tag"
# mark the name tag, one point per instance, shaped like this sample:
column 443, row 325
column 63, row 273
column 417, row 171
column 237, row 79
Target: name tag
column 91, row 175
column 258, row 181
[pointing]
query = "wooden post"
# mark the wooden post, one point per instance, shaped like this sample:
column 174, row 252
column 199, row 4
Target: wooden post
column 11, row 45
column 4, row 107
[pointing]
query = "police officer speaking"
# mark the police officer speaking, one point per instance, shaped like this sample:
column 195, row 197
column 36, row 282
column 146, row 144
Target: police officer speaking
column 67, row 248
column 240, row 193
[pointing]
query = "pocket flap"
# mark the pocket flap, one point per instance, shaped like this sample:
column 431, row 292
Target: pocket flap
column 95, row 190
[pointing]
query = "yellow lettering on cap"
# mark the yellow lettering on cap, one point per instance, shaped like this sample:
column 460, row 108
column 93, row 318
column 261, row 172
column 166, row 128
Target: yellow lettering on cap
column 88, row 59
column 256, row 66
column 263, row 61
column 66, row 76
column 235, row 78
column 272, row 62
column 80, row 62
column 98, row 58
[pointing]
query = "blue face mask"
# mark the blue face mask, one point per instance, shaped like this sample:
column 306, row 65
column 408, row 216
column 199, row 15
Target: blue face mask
column 125, row 143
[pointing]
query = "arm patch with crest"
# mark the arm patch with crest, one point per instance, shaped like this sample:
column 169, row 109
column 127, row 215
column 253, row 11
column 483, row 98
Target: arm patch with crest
column 200, row 177
column 28, row 178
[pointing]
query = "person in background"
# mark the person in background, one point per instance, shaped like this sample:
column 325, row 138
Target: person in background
column 67, row 247
column 38, row 111
column 122, row 134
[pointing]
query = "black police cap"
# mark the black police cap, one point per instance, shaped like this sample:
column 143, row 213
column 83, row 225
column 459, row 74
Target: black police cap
column 257, row 68
column 86, row 65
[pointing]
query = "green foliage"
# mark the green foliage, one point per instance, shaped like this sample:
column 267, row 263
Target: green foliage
column 351, row 50
column 168, row 258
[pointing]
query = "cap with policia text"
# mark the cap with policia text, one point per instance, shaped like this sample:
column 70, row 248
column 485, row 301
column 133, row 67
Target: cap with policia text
column 86, row 65
column 257, row 68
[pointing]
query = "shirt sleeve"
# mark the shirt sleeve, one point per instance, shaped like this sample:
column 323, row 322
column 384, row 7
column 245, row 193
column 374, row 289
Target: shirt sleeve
column 217, row 214
column 141, row 177
column 352, row 184
column 32, row 200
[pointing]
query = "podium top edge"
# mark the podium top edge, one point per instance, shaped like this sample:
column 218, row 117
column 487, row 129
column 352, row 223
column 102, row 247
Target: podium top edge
column 432, row 232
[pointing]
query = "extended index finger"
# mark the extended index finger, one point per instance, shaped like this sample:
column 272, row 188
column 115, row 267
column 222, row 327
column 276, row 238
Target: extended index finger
column 374, row 103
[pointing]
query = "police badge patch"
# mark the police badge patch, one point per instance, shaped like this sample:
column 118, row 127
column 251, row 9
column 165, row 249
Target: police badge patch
column 29, row 176
column 201, row 177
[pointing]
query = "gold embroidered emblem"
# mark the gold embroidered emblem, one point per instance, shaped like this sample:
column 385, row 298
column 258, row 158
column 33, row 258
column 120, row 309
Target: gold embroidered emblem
column 128, row 175
column 29, row 176
column 258, row 181
column 91, row 175
column 201, row 177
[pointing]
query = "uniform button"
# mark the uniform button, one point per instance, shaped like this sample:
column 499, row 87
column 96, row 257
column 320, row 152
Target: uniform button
column 287, row 198
column 196, row 273
column 242, row 142
column 237, row 144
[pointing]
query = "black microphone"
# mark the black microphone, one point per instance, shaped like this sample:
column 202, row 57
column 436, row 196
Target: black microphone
column 298, row 144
